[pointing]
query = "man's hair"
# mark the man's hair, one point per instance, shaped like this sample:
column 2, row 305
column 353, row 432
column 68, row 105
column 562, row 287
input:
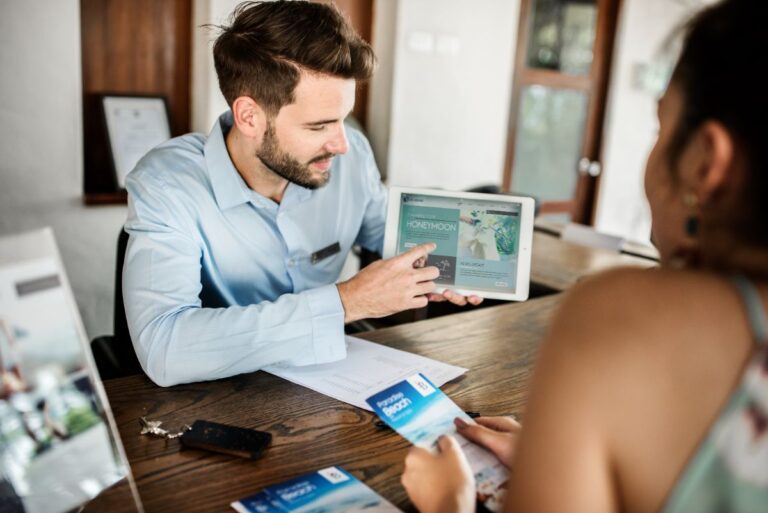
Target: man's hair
column 723, row 46
column 261, row 53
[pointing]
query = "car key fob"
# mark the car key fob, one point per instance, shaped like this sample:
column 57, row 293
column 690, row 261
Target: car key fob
column 237, row 441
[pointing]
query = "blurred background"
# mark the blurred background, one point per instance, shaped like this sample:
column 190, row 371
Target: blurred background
column 550, row 98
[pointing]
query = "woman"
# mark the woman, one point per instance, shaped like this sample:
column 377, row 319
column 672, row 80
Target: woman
column 651, row 391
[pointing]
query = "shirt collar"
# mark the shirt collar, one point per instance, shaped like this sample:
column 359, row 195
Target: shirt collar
column 229, row 188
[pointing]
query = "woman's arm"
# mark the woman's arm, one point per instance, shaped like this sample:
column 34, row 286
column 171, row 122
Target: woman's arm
column 564, row 457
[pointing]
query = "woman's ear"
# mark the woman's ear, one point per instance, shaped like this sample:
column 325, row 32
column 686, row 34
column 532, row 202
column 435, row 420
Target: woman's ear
column 716, row 168
column 249, row 117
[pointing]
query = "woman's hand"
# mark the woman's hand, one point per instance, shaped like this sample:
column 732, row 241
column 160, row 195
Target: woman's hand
column 439, row 483
column 497, row 434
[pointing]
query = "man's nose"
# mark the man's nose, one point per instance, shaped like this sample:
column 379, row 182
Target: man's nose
column 338, row 144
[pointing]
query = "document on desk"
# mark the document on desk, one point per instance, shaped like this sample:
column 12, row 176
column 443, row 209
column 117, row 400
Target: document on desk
column 332, row 490
column 367, row 369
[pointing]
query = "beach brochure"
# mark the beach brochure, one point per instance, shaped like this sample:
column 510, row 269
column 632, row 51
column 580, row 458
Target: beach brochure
column 330, row 490
column 421, row 414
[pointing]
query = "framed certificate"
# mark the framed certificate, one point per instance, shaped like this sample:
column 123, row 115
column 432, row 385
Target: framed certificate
column 135, row 125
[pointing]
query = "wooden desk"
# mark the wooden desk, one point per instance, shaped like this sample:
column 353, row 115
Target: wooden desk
column 629, row 247
column 311, row 431
column 557, row 264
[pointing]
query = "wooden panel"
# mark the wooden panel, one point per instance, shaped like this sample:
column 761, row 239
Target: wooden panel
column 555, row 80
column 360, row 15
column 141, row 47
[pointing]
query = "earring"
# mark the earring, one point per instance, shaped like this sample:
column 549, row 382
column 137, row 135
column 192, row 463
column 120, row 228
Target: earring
column 692, row 221
column 692, row 226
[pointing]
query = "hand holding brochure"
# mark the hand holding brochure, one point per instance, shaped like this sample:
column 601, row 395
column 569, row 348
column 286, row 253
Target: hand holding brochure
column 330, row 490
column 421, row 413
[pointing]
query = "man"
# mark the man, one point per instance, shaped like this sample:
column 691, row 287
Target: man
column 236, row 239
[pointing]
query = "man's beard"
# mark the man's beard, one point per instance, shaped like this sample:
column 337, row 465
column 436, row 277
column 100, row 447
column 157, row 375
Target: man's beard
column 283, row 164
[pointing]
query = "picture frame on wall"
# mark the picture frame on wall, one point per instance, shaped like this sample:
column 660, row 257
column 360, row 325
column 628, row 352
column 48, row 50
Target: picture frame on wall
column 134, row 124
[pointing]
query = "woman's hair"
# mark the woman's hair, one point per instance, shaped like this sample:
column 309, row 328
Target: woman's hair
column 724, row 49
column 261, row 52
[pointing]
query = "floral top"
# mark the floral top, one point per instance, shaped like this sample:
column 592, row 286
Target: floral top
column 729, row 472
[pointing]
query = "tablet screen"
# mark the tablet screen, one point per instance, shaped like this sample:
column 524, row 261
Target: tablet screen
column 477, row 240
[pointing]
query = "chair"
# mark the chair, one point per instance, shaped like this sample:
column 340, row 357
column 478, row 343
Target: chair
column 114, row 354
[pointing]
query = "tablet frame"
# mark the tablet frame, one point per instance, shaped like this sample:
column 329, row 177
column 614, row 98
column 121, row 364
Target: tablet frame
column 525, row 243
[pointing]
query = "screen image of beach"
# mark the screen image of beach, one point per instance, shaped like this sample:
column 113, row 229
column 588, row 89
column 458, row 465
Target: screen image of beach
column 477, row 240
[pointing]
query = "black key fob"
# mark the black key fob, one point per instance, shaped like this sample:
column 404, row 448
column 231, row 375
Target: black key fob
column 210, row 436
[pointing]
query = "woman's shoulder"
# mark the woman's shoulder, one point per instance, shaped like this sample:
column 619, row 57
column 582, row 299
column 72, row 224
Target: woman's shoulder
column 632, row 317
column 646, row 299
column 652, row 356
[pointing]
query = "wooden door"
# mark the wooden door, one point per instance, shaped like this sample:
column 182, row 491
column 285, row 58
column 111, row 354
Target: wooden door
column 562, row 66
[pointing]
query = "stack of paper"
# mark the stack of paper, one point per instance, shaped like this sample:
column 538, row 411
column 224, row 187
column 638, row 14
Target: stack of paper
column 367, row 369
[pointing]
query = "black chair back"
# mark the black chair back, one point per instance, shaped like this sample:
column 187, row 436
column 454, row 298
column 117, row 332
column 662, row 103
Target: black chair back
column 114, row 355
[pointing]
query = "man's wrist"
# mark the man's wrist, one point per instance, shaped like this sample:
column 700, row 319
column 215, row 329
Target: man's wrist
column 346, row 302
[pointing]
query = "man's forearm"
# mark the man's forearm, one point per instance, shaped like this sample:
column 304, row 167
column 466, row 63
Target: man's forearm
column 191, row 344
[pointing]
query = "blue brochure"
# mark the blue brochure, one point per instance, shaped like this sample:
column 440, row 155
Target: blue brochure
column 421, row 413
column 330, row 490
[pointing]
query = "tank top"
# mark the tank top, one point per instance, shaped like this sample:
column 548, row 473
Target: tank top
column 729, row 471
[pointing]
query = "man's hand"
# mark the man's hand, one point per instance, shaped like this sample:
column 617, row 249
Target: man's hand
column 456, row 299
column 448, row 295
column 497, row 434
column 389, row 286
column 439, row 483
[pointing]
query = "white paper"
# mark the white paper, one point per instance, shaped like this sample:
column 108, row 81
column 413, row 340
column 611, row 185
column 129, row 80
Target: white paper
column 367, row 369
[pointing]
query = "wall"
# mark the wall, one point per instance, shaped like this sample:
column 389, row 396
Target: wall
column 41, row 147
column 631, row 124
column 380, row 97
column 207, row 101
column 453, row 62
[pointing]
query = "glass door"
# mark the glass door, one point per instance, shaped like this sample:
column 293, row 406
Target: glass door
column 558, row 101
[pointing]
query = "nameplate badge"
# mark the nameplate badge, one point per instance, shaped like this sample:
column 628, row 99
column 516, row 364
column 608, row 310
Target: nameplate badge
column 326, row 252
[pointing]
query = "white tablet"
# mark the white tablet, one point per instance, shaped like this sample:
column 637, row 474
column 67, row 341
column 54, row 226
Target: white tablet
column 483, row 240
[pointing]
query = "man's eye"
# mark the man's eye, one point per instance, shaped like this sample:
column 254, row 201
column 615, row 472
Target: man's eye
column 317, row 128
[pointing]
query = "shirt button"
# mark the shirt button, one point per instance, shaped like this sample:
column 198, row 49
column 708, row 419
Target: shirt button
column 291, row 262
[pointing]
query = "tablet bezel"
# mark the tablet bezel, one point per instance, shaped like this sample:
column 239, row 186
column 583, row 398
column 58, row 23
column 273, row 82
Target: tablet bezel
column 525, row 246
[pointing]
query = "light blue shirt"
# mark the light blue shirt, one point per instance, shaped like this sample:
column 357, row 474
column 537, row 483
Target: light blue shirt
column 218, row 279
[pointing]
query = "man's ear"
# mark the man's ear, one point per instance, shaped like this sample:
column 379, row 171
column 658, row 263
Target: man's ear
column 716, row 169
column 250, row 118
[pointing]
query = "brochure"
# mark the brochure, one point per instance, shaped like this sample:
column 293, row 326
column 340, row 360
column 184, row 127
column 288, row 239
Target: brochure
column 58, row 447
column 421, row 414
column 330, row 490
column 477, row 241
